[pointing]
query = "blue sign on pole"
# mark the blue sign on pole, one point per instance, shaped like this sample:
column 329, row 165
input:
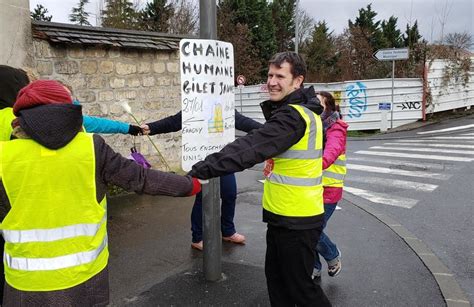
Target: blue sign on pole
column 384, row 106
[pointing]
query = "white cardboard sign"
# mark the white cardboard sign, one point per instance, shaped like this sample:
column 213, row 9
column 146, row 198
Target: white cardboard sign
column 207, row 98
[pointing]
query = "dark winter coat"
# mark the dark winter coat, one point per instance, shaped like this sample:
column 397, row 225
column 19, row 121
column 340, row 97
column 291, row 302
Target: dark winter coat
column 284, row 128
column 173, row 123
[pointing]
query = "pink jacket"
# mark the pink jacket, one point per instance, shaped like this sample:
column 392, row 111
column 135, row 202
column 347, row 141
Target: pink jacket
column 336, row 137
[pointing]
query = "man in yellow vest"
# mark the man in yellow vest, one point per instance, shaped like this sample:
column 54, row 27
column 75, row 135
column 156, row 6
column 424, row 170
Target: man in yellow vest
column 54, row 177
column 291, row 144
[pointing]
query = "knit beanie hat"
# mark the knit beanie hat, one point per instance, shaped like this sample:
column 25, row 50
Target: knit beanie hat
column 11, row 81
column 41, row 92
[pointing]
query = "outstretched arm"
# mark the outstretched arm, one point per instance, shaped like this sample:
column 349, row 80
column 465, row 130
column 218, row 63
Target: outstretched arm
column 168, row 124
column 95, row 124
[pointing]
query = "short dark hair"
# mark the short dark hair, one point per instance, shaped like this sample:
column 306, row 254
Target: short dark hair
column 298, row 65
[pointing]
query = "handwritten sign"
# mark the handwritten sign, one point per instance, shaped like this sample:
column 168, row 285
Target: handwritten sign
column 207, row 98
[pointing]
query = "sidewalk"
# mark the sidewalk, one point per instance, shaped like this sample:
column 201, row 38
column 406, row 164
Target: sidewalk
column 152, row 263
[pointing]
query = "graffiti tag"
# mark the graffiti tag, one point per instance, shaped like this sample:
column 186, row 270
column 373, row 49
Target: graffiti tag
column 410, row 106
column 357, row 95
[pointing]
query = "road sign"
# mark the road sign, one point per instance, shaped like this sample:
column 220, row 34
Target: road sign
column 241, row 80
column 384, row 106
column 391, row 54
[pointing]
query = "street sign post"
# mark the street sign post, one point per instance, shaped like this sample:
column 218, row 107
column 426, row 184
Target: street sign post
column 394, row 54
column 384, row 107
column 240, row 84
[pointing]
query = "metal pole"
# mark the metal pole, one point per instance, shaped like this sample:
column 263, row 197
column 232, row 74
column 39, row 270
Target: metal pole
column 393, row 107
column 241, row 106
column 297, row 39
column 211, row 217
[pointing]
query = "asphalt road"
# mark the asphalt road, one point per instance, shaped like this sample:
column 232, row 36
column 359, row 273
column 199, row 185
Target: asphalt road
column 425, row 181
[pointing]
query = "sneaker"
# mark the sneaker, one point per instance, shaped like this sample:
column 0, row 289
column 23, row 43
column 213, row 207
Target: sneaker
column 335, row 269
column 197, row 245
column 236, row 238
column 316, row 273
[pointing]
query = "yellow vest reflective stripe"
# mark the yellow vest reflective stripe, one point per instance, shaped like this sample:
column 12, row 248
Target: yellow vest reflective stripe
column 294, row 186
column 334, row 175
column 6, row 117
column 55, row 231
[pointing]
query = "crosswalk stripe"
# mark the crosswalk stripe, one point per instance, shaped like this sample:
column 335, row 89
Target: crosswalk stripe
column 382, row 198
column 431, row 141
column 433, row 145
column 434, row 150
column 413, row 156
column 447, row 129
column 403, row 184
column 426, row 165
column 452, row 137
column 467, row 133
column 385, row 170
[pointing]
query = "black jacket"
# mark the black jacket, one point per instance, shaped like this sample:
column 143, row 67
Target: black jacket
column 173, row 123
column 284, row 128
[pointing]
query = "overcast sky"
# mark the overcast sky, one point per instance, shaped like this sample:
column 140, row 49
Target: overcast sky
column 429, row 13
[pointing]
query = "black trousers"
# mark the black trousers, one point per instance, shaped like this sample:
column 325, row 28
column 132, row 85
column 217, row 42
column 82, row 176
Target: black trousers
column 289, row 264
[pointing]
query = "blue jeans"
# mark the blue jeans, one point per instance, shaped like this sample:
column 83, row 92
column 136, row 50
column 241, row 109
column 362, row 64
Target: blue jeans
column 228, row 187
column 325, row 247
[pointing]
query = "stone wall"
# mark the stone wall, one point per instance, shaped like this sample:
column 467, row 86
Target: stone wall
column 100, row 78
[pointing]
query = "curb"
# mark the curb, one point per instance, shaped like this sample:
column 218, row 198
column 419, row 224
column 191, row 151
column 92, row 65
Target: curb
column 452, row 293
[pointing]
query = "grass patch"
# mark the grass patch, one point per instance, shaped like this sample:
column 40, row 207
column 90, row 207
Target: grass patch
column 357, row 133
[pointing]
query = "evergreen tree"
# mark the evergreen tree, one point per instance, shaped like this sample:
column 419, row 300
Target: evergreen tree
column 369, row 28
column 39, row 13
column 412, row 35
column 119, row 14
column 246, row 61
column 321, row 55
column 392, row 36
column 79, row 15
column 156, row 16
column 283, row 12
column 257, row 15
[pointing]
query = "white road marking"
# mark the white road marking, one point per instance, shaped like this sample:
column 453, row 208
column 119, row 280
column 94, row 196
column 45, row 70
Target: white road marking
column 467, row 133
column 382, row 198
column 428, row 165
column 403, row 184
column 431, row 141
column 452, row 137
column 433, row 145
column 447, row 129
column 384, row 170
column 413, row 156
column 434, row 150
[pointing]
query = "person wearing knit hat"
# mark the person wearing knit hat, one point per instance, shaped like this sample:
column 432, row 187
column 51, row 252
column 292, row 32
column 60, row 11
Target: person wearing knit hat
column 55, row 179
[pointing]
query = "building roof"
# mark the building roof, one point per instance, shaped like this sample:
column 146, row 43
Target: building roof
column 61, row 33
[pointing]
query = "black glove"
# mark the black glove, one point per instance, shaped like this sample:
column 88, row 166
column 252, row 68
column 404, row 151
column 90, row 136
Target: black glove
column 134, row 130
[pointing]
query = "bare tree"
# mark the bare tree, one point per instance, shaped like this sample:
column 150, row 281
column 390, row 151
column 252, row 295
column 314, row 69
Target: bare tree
column 459, row 40
column 305, row 27
column 443, row 17
column 185, row 18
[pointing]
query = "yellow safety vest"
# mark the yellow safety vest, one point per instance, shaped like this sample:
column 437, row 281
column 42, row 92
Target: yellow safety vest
column 55, row 231
column 334, row 175
column 294, row 186
column 6, row 117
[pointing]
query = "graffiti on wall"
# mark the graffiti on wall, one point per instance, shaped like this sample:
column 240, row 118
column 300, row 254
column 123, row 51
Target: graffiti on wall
column 357, row 99
column 415, row 105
